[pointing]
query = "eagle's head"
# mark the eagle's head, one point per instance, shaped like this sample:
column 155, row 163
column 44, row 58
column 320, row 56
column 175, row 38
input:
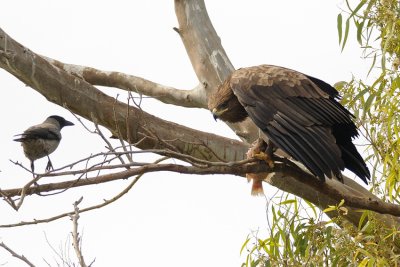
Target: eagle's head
column 225, row 105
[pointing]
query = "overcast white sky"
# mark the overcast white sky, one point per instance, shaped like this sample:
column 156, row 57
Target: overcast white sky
column 167, row 219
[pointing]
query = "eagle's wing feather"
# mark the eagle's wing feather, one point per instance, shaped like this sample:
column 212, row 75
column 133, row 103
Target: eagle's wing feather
column 295, row 113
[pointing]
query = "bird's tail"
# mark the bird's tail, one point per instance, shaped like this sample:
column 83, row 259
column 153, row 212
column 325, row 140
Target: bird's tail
column 350, row 156
column 354, row 162
column 21, row 138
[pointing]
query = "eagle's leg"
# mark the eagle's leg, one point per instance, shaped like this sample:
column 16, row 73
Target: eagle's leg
column 49, row 164
column 261, row 151
column 270, row 154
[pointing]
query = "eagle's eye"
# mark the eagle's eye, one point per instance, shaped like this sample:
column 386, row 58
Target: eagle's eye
column 223, row 106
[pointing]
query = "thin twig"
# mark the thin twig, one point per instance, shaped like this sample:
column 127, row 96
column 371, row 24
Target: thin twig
column 63, row 255
column 109, row 145
column 106, row 202
column 83, row 124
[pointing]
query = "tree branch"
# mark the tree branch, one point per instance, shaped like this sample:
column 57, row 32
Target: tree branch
column 62, row 215
column 203, row 46
column 193, row 98
column 16, row 255
column 207, row 55
column 283, row 171
column 76, row 240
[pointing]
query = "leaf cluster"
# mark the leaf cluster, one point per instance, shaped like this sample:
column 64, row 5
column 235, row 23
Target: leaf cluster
column 298, row 239
column 375, row 101
column 378, row 29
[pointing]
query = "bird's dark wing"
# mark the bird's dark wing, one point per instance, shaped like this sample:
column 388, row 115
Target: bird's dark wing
column 34, row 133
column 295, row 114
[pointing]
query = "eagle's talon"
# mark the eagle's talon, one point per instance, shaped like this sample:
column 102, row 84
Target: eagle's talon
column 263, row 156
column 262, row 151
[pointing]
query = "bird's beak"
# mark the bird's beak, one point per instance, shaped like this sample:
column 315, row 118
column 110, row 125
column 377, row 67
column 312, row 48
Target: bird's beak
column 215, row 114
column 215, row 117
column 68, row 123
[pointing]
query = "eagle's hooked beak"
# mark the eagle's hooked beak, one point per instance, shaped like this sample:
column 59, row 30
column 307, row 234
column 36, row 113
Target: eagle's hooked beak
column 216, row 113
column 215, row 117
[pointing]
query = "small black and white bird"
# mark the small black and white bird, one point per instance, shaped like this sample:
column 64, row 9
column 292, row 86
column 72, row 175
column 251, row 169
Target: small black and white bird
column 41, row 140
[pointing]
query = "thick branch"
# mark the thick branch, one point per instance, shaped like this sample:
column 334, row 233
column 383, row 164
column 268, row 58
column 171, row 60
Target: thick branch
column 193, row 98
column 208, row 57
column 203, row 46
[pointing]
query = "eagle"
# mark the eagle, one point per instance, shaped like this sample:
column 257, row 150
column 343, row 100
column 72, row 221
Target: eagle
column 298, row 114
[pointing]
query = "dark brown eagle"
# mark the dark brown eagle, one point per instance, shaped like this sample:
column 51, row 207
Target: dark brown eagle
column 298, row 113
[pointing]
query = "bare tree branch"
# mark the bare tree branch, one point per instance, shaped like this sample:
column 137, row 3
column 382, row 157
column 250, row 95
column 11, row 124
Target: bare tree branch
column 203, row 46
column 62, row 254
column 209, row 59
column 16, row 255
column 76, row 240
column 63, row 215
column 283, row 171
column 193, row 98
column 105, row 203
